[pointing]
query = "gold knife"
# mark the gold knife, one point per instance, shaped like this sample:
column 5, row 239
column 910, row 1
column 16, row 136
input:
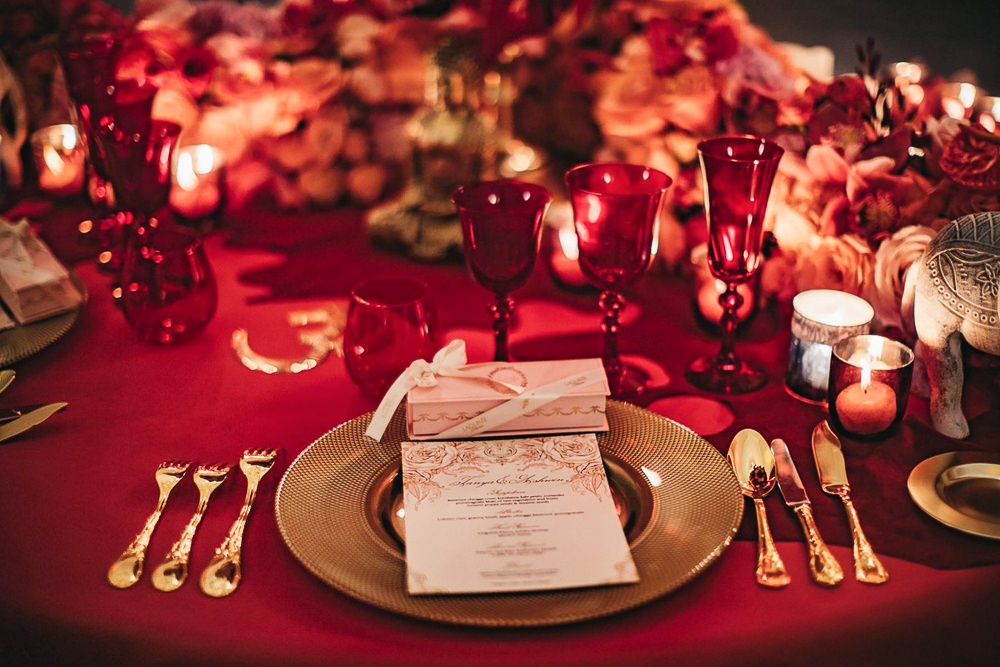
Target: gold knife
column 33, row 418
column 6, row 377
column 833, row 478
column 823, row 567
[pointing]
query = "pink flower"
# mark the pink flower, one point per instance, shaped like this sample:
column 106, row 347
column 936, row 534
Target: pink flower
column 892, row 259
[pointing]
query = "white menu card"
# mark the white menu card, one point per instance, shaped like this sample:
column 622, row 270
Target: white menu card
column 490, row 516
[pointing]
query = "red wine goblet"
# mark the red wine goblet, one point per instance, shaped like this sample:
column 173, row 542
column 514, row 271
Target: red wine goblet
column 738, row 172
column 616, row 209
column 501, row 221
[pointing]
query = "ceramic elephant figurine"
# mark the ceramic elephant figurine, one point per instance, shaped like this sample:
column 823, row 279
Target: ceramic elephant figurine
column 954, row 293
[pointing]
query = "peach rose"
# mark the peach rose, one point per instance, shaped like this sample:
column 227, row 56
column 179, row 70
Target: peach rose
column 835, row 262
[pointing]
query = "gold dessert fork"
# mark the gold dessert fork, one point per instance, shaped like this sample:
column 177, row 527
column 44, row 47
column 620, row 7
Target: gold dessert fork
column 223, row 574
column 128, row 568
column 173, row 571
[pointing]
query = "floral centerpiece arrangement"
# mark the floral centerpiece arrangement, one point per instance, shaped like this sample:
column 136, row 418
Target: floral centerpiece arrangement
column 876, row 161
column 310, row 101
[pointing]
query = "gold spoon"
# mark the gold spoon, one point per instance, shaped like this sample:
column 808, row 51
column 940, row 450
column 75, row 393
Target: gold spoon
column 753, row 463
column 173, row 571
column 127, row 570
column 223, row 574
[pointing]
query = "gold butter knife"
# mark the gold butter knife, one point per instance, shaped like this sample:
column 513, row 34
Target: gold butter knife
column 833, row 478
column 823, row 567
column 29, row 420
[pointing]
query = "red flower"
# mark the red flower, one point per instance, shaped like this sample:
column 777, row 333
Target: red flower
column 667, row 45
column 972, row 158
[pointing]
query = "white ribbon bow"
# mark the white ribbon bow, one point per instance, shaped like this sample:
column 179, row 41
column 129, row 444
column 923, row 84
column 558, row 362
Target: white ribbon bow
column 447, row 362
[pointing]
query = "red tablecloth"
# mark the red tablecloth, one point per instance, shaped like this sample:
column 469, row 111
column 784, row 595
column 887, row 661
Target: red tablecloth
column 77, row 488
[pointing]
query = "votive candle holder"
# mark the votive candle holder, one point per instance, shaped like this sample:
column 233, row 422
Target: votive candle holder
column 869, row 385
column 821, row 318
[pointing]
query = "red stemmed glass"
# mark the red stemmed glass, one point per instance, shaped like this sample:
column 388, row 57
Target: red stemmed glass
column 616, row 209
column 501, row 221
column 89, row 65
column 738, row 172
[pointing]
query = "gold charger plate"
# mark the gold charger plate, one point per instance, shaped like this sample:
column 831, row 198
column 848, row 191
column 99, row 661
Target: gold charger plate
column 25, row 340
column 337, row 510
column 961, row 490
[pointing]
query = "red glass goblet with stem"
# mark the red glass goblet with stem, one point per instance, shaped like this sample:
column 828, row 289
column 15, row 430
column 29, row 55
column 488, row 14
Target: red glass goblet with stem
column 501, row 225
column 738, row 172
column 616, row 208
column 89, row 66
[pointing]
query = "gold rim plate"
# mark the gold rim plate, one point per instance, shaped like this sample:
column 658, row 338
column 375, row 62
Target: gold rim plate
column 961, row 490
column 680, row 507
column 25, row 340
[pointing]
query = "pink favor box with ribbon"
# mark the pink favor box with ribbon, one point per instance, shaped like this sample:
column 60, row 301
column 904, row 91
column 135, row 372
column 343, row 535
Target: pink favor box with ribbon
column 544, row 397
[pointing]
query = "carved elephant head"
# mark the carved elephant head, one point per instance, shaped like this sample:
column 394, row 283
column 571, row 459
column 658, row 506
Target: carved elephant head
column 954, row 290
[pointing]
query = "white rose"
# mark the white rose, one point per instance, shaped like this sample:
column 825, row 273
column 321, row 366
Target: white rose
column 892, row 259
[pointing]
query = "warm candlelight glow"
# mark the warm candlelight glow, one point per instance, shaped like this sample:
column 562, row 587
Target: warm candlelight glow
column 197, row 175
column 59, row 158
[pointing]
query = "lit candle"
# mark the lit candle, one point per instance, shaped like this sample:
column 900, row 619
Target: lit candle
column 867, row 407
column 869, row 384
column 197, row 176
column 959, row 99
column 708, row 289
column 59, row 158
column 562, row 252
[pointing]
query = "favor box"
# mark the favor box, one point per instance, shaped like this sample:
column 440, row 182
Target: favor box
column 456, row 400
column 33, row 283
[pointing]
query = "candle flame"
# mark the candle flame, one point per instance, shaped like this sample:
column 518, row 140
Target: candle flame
column 53, row 160
column 568, row 243
column 866, row 375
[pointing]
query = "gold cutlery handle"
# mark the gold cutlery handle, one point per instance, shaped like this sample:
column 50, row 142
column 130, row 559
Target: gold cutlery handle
column 868, row 568
column 823, row 567
column 127, row 569
column 170, row 574
column 223, row 573
column 770, row 568
column 181, row 549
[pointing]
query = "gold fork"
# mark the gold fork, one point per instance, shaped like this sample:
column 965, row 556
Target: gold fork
column 128, row 568
column 173, row 571
column 223, row 574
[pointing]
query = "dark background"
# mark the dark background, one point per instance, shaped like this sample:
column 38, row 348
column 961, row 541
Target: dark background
column 947, row 35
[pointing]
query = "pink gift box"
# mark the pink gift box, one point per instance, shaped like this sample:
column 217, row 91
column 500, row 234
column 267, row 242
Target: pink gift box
column 456, row 400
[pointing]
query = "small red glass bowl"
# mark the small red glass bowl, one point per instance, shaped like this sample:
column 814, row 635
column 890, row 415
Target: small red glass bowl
column 869, row 385
column 169, row 292
column 391, row 322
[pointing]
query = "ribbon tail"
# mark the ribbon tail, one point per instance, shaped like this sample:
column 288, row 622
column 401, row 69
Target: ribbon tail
column 387, row 408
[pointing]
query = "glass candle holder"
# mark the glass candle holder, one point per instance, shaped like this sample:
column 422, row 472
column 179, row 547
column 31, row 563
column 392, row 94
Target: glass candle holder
column 820, row 319
column 869, row 385
column 59, row 153
column 198, row 181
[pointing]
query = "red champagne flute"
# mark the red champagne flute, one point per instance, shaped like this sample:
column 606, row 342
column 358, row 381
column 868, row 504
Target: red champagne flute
column 390, row 323
column 616, row 210
column 501, row 221
column 738, row 172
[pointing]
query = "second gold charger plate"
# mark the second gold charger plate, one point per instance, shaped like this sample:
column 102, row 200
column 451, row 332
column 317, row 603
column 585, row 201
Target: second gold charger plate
column 24, row 340
column 961, row 490
column 338, row 508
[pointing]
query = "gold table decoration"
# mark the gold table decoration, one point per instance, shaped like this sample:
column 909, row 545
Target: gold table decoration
column 338, row 510
column 960, row 489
